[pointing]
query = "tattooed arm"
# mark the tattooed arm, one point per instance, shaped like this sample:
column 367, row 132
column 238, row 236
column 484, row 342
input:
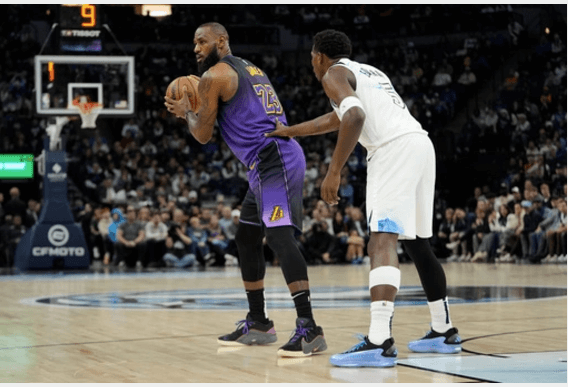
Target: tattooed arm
column 216, row 83
column 201, row 125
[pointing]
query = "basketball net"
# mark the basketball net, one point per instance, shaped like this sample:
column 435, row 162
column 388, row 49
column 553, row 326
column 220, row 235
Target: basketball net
column 89, row 111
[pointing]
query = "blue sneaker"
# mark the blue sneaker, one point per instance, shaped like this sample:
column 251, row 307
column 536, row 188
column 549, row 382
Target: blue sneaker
column 434, row 342
column 367, row 354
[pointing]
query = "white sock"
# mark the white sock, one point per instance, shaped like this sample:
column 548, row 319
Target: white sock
column 381, row 318
column 440, row 313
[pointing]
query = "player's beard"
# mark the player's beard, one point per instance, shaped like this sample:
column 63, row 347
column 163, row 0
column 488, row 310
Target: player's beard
column 210, row 60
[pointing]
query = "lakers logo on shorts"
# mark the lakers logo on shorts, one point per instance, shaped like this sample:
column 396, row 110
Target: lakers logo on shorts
column 277, row 214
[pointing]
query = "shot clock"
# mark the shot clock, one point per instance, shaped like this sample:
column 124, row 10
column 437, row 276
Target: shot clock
column 78, row 66
column 80, row 28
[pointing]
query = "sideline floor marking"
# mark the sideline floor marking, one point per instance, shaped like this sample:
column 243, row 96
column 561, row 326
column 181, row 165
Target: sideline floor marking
column 535, row 367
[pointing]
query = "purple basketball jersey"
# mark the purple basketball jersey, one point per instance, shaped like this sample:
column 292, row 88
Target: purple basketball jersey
column 251, row 112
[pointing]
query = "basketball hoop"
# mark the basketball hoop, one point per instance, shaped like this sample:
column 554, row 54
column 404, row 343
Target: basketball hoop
column 89, row 111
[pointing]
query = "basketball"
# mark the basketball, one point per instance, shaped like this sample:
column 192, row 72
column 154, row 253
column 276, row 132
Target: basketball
column 189, row 83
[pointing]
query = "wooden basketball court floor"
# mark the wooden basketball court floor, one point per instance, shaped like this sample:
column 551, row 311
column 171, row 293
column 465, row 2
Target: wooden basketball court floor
column 162, row 327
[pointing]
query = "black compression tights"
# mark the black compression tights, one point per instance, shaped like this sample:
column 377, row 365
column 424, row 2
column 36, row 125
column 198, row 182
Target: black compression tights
column 281, row 240
column 249, row 243
column 429, row 269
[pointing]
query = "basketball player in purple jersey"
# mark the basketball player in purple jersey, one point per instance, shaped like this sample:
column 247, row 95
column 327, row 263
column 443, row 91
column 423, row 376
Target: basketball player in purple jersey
column 240, row 97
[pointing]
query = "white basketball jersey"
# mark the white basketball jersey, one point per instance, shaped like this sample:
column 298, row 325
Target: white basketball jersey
column 387, row 116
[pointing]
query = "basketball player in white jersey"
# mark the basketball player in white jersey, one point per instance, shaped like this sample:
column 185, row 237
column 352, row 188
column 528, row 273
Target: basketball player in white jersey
column 400, row 193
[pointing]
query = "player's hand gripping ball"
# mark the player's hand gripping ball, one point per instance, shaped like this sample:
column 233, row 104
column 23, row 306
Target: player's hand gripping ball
column 184, row 85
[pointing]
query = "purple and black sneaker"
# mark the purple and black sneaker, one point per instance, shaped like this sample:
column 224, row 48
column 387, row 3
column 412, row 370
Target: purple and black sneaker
column 250, row 332
column 306, row 340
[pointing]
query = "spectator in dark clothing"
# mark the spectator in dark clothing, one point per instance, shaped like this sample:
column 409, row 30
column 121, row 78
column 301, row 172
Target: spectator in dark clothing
column 340, row 227
column 461, row 231
column 198, row 235
column 480, row 228
column 2, row 212
column 130, row 246
column 320, row 244
column 31, row 214
column 15, row 205
column 486, row 237
column 179, row 245
column 531, row 221
column 558, row 179
column 443, row 236
column 341, row 232
column 217, row 241
column 96, row 236
column 85, row 217
column 15, row 233
column 5, row 257
column 356, row 221
column 546, row 196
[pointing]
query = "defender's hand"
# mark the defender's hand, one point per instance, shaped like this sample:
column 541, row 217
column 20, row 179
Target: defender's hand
column 329, row 188
column 280, row 131
column 178, row 108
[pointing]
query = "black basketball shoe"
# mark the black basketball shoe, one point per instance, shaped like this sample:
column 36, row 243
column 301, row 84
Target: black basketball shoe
column 435, row 342
column 306, row 340
column 250, row 332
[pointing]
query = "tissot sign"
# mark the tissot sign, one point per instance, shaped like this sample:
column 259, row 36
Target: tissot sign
column 80, row 33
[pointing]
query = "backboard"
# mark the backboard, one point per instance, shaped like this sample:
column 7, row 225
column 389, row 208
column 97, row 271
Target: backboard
column 108, row 80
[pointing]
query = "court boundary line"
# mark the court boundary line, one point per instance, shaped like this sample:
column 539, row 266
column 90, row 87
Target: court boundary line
column 32, row 301
column 104, row 342
column 222, row 272
column 470, row 378
column 214, row 335
column 479, row 354
column 473, row 379
column 120, row 276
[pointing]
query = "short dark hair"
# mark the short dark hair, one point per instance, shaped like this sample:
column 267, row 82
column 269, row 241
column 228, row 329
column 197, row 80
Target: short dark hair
column 334, row 44
column 218, row 29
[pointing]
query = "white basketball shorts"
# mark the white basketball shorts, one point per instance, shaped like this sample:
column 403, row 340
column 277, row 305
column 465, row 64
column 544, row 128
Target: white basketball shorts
column 401, row 176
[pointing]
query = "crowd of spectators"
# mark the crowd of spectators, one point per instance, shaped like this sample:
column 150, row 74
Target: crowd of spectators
column 505, row 228
column 365, row 22
column 150, row 237
column 178, row 200
column 523, row 214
